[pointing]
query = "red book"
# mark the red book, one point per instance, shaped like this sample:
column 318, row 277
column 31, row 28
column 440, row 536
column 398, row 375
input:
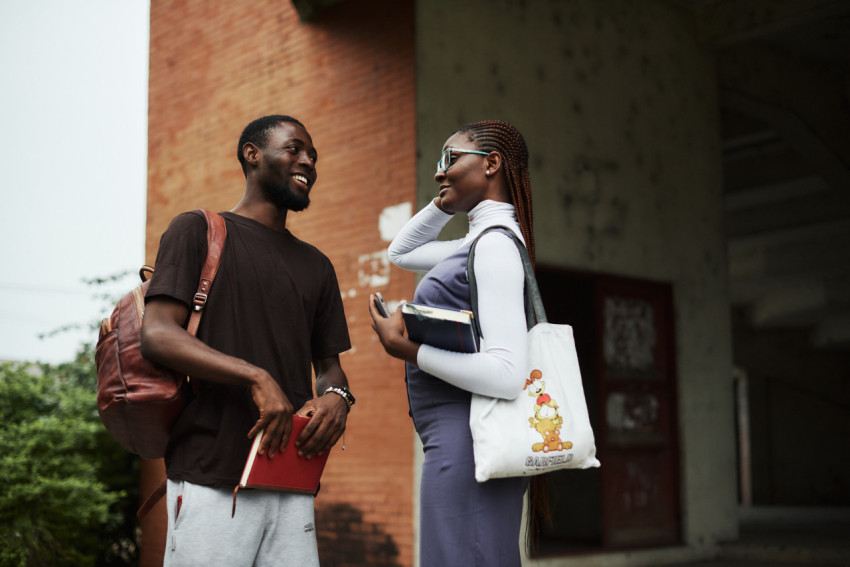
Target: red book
column 286, row 470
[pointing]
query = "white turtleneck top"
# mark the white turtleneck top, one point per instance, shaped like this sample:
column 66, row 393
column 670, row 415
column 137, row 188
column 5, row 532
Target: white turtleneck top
column 497, row 370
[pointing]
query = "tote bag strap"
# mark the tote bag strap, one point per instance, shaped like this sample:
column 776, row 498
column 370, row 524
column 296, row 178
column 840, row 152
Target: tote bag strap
column 534, row 312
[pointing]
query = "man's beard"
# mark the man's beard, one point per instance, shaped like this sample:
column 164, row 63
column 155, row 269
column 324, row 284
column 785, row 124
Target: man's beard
column 285, row 199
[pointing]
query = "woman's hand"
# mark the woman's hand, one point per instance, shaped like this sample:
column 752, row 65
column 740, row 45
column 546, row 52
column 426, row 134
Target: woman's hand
column 439, row 203
column 390, row 331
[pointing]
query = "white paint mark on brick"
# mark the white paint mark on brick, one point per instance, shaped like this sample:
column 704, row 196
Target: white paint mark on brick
column 373, row 270
column 392, row 219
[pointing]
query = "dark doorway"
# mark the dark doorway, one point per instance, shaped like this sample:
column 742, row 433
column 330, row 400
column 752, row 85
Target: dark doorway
column 624, row 336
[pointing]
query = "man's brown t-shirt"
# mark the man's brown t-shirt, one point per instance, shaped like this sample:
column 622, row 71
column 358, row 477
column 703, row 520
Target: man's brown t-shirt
column 275, row 303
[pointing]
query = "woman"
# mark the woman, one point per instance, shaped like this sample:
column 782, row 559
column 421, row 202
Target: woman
column 483, row 172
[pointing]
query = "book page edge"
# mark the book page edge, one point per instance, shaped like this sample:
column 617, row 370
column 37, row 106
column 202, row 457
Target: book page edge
column 250, row 462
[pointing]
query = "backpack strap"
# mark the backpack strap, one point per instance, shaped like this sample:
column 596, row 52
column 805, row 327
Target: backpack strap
column 216, row 235
column 151, row 500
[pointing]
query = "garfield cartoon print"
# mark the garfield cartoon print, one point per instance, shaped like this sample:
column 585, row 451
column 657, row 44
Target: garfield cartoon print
column 546, row 419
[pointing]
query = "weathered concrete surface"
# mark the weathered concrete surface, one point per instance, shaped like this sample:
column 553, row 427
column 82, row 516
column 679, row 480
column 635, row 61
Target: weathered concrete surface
column 618, row 104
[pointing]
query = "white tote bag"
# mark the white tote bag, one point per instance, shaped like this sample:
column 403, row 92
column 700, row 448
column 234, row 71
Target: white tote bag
column 546, row 427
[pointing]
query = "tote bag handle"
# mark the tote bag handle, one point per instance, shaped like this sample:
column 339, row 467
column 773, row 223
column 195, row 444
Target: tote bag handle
column 534, row 311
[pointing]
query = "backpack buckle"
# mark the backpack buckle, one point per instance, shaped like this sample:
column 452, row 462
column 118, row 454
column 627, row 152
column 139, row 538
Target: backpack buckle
column 200, row 300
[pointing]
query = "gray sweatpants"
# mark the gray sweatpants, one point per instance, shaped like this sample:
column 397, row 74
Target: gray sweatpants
column 269, row 528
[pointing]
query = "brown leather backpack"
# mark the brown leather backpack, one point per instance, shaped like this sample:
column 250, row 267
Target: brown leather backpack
column 139, row 400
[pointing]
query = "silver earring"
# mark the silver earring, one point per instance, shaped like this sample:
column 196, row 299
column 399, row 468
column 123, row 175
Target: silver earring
column 488, row 172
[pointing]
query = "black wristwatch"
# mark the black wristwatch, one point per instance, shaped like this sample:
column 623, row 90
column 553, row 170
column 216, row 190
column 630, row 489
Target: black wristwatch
column 345, row 393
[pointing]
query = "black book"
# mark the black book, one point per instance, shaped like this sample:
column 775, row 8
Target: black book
column 441, row 327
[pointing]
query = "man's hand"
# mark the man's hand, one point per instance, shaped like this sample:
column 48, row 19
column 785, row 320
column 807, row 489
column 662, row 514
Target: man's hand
column 275, row 414
column 329, row 416
column 329, row 411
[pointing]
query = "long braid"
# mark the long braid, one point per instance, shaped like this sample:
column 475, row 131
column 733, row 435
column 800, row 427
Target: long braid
column 498, row 136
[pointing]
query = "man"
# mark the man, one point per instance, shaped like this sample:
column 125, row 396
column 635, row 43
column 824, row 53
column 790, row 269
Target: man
column 273, row 311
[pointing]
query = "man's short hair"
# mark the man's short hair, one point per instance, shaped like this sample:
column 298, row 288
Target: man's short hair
column 257, row 132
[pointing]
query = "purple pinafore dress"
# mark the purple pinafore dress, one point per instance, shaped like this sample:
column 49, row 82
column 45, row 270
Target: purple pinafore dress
column 462, row 522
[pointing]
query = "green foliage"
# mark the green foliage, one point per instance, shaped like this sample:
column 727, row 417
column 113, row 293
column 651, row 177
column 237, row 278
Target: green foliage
column 67, row 486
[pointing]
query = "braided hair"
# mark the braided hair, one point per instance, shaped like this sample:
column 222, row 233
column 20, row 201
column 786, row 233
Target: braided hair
column 501, row 137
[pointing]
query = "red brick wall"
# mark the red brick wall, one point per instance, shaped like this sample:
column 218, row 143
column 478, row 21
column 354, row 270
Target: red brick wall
column 349, row 77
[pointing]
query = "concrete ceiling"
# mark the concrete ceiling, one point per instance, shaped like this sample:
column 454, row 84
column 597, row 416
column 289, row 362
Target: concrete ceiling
column 784, row 76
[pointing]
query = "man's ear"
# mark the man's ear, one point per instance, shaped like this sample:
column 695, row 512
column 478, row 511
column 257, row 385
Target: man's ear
column 251, row 153
column 494, row 162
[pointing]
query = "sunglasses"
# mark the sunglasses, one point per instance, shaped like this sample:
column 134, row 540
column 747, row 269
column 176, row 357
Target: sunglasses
column 447, row 159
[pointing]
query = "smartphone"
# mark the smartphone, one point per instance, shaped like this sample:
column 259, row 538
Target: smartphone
column 381, row 305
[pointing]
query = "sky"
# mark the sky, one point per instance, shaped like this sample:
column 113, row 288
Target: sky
column 73, row 167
